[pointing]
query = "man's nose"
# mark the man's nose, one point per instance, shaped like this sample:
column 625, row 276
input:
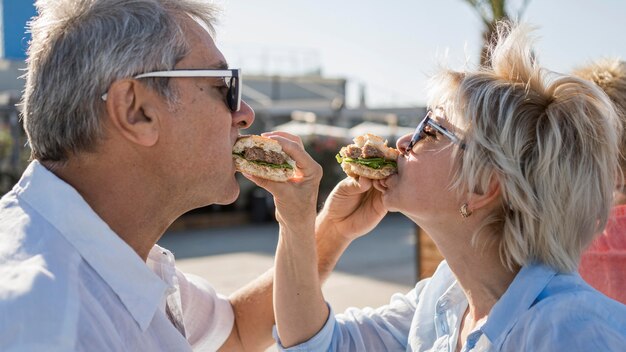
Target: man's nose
column 244, row 117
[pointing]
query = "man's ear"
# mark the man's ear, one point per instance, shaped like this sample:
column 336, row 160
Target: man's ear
column 479, row 200
column 132, row 112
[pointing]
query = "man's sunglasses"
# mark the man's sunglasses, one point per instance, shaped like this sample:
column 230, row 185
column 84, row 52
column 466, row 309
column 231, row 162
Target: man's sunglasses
column 429, row 122
column 231, row 76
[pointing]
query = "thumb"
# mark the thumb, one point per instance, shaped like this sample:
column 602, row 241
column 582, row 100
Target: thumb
column 352, row 186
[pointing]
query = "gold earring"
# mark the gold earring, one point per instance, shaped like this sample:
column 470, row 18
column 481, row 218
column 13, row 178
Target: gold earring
column 465, row 212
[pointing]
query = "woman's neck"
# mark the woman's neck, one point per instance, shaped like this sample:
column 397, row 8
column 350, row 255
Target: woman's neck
column 483, row 278
column 479, row 270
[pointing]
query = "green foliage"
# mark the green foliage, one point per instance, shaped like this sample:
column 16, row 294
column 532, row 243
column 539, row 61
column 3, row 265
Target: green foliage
column 6, row 142
column 491, row 12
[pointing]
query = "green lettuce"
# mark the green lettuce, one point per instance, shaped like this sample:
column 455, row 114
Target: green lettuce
column 374, row 163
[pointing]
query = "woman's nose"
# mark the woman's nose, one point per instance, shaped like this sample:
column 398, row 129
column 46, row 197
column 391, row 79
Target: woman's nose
column 244, row 117
column 402, row 143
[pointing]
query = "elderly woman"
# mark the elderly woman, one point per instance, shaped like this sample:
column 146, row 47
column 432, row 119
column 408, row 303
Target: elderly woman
column 603, row 264
column 511, row 174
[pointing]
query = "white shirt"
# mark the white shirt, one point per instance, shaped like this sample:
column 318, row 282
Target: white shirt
column 542, row 310
column 69, row 283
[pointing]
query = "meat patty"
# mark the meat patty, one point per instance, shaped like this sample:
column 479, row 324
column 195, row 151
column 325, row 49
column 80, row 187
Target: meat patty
column 352, row 151
column 370, row 151
column 258, row 154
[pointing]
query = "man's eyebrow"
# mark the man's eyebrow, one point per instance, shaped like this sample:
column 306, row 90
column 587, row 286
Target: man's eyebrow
column 222, row 65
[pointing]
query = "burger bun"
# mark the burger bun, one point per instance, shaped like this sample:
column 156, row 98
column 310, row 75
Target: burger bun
column 278, row 174
column 369, row 140
column 354, row 170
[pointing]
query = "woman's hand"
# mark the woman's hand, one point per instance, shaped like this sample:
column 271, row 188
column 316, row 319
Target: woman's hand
column 296, row 199
column 299, row 305
column 352, row 209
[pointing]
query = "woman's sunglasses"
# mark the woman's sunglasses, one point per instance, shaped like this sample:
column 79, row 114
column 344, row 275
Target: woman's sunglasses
column 429, row 122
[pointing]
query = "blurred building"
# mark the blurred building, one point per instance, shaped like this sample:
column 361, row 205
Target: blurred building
column 315, row 105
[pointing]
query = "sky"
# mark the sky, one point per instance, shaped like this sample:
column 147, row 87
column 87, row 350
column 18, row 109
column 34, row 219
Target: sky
column 392, row 47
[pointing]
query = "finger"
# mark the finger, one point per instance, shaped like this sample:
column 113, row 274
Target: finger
column 380, row 185
column 286, row 135
column 296, row 151
column 351, row 186
column 365, row 182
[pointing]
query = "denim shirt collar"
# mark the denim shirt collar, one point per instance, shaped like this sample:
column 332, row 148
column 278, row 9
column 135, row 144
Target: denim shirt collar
column 521, row 295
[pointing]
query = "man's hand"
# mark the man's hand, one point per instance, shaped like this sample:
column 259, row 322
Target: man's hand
column 353, row 209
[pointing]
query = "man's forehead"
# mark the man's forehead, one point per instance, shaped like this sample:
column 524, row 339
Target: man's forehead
column 203, row 52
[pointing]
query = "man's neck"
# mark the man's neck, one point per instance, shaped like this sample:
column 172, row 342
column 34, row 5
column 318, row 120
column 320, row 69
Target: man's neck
column 133, row 208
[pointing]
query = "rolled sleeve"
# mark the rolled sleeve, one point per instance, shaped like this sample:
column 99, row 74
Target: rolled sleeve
column 319, row 342
column 208, row 316
column 382, row 329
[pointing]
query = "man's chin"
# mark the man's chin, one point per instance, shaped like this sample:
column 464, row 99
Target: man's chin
column 229, row 198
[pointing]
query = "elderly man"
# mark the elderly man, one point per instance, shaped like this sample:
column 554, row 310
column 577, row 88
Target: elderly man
column 131, row 113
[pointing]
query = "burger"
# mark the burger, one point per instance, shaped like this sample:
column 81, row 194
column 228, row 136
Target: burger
column 369, row 157
column 262, row 157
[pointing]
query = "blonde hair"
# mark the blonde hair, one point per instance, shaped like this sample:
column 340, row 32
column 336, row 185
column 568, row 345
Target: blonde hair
column 610, row 76
column 549, row 139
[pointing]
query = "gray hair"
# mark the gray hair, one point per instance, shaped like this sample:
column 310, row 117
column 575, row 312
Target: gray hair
column 80, row 47
column 551, row 142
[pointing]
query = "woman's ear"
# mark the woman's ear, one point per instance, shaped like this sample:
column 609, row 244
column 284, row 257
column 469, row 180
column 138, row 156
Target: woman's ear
column 489, row 196
column 132, row 112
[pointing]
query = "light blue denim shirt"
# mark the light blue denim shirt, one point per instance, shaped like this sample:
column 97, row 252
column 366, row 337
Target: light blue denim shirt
column 541, row 311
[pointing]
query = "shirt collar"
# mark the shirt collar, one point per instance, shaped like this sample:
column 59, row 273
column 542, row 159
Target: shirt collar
column 140, row 290
column 518, row 298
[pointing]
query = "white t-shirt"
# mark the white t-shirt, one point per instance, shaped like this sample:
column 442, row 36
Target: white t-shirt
column 69, row 283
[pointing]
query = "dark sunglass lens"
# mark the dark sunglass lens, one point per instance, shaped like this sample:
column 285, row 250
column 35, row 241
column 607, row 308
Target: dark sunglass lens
column 233, row 94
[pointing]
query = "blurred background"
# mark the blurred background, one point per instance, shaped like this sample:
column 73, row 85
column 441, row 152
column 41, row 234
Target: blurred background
column 329, row 71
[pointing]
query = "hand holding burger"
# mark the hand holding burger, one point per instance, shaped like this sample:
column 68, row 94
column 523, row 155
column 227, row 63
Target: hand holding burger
column 278, row 162
column 369, row 157
column 263, row 157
